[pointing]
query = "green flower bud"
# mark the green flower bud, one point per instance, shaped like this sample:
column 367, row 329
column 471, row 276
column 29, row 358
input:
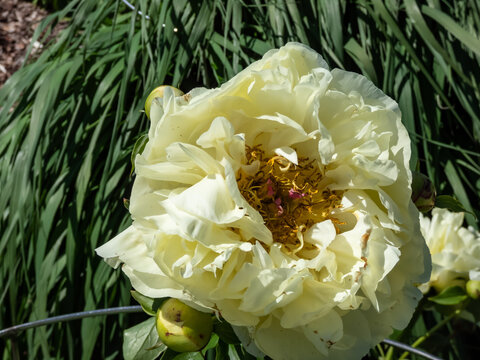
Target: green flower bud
column 183, row 328
column 158, row 93
column 473, row 289
column 423, row 192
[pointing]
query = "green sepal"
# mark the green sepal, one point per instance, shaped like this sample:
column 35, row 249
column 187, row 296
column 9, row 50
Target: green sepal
column 149, row 305
column 126, row 203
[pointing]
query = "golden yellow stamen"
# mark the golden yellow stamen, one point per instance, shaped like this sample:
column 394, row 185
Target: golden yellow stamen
column 287, row 196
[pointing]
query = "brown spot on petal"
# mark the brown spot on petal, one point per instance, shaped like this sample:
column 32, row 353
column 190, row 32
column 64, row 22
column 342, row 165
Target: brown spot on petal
column 359, row 273
column 365, row 261
column 365, row 238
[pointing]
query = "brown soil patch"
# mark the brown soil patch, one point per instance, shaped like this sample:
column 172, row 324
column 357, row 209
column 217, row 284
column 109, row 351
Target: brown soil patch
column 18, row 21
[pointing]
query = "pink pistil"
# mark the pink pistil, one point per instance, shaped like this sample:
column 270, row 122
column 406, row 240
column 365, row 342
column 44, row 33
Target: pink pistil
column 270, row 191
column 294, row 194
column 278, row 202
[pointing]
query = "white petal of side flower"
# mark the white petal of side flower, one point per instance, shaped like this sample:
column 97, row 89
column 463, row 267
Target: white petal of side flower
column 455, row 249
column 281, row 200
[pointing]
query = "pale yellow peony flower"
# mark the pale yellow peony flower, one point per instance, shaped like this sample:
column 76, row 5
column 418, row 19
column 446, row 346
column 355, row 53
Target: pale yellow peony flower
column 455, row 249
column 282, row 201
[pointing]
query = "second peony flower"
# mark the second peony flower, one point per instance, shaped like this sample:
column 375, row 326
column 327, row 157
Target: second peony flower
column 280, row 201
column 455, row 250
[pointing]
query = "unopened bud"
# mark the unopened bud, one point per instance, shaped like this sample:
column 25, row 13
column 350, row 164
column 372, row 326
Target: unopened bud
column 183, row 328
column 158, row 93
column 473, row 289
column 423, row 192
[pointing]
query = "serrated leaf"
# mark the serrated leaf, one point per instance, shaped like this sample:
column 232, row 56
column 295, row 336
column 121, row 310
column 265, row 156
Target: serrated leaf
column 225, row 332
column 450, row 203
column 149, row 305
column 139, row 342
column 452, row 295
column 138, row 149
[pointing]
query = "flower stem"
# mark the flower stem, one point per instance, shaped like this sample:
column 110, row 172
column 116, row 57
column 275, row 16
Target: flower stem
column 429, row 333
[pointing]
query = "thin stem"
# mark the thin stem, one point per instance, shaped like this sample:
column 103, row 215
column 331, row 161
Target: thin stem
column 11, row 331
column 429, row 333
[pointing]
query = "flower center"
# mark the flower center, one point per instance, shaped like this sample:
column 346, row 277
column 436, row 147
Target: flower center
column 287, row 196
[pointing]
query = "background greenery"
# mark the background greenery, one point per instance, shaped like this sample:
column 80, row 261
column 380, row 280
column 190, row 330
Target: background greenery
column 69, row 120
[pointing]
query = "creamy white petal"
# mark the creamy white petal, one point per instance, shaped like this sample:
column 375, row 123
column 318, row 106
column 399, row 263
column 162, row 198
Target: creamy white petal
column 455, row 249
column 281, row 202
column 324, row 332
column 288, row 153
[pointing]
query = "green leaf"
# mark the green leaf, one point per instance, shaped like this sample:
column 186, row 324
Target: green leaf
column 473, row 308
column 189, row 356
column 453, row 174
column 225, row 332
column 138, row 149
column 212, row 343
column 361, row 58
column 140, row 342
column 221, row 351
column 456, row 30
column 80, row 103
column 233, row 353
column 450, row 203
column 158, row 344
column 452, row 295
column 149, row 305
column 169, row 354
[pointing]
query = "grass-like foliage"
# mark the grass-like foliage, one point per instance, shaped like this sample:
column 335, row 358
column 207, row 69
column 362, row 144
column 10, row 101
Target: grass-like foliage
column 69, row 120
